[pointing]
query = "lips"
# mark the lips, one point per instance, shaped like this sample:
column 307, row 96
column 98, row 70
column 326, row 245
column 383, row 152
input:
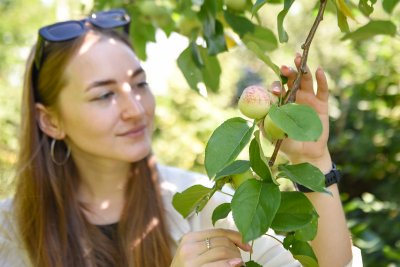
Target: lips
column 134, row 131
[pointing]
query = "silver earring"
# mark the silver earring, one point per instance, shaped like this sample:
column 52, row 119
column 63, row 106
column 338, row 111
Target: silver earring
column 53, row 158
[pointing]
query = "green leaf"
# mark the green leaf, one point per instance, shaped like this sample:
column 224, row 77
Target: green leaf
column 252, row 264
column 216, row 43
column 374, row 27
column 254, row 205
column 365, row 7
column 299, row 122
column 282, row 34
column 141, row 32
column 262, row 56
column 288, row 241
column 304, row 174
column 389, row 5
column 197, row 67
column 309, row 232
column 220, row 212
column 236, row 167
column 295, row 212
column 257, row 163
column 251, row 33
column 342, row 21
column 189, row 68
column 303, row 252
column 257, row 5
column 211, row 70
column 225, row 144
column 192, row 199
column 213, row 30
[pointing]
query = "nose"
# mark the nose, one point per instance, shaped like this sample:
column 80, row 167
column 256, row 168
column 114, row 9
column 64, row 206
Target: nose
column 131, row 105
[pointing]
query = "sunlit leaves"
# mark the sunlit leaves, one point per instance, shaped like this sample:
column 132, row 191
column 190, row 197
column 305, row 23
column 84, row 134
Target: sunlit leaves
column 250, row 32
column 389, row 5
column 299, row 122
column 374, row 27
column 199, row 67
column 192, row 199
column 283, row 36
column 344, row 8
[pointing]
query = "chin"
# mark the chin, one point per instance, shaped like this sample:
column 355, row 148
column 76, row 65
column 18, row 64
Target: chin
column 140, row 154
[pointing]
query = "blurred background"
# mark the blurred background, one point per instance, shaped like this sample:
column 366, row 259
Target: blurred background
column 364, row 80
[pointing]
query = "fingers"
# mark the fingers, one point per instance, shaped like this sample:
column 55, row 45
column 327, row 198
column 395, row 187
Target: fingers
column 322, row 85
column 201, row 236
column 228, row 263
column 306, row 83
column 290, row 74
column 276, row 88
column 216, row 247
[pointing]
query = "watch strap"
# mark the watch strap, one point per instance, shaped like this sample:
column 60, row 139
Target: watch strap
column 332, row 177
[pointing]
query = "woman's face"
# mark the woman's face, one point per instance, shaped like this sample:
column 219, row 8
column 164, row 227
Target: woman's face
column 107, row 109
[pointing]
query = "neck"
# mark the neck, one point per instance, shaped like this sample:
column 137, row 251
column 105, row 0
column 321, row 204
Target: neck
column 102, row 188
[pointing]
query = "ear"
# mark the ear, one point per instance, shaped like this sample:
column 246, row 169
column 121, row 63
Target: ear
column 48, row 122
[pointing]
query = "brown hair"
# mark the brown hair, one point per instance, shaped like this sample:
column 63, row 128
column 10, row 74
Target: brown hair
column 49, row 216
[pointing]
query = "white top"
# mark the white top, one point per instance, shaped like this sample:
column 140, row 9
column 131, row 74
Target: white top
column 266, row 251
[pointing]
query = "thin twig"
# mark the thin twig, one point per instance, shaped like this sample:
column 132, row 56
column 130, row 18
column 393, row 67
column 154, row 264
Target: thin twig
column 291, row 94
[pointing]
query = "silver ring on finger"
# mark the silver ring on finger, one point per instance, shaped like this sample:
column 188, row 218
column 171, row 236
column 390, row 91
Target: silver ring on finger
column 208, row 243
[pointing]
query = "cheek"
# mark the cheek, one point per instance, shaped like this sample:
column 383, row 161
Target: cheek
column 149, row 106
column 85, row 123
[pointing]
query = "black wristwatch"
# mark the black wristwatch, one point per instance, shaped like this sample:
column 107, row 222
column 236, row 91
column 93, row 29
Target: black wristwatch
column 333, row 177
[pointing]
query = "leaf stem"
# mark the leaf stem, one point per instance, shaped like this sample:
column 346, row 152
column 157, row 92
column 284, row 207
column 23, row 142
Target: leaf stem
column 291, row 93
column 251, row 251
column 225, row 193
column 274, row 238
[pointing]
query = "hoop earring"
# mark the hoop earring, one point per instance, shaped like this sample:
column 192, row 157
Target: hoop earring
column 52, row 155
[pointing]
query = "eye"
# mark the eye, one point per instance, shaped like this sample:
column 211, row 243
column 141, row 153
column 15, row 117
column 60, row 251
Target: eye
column 105, row 96
column 141, row 85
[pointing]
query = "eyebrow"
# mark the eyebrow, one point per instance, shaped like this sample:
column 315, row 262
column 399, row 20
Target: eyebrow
column 112, row 81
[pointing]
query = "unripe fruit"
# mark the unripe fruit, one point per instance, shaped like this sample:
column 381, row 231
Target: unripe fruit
column 238, row 179
column 237, row 5
column 272, row 131
column 255, row 102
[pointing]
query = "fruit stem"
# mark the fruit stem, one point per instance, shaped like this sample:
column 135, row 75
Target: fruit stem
column 291, row 94
column 275, row 154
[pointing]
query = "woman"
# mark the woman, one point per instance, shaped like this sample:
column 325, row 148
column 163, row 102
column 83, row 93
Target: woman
column 89, row 192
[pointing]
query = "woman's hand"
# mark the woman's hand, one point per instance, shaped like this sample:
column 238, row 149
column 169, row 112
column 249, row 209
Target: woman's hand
column 210, row 248
column 317, row 152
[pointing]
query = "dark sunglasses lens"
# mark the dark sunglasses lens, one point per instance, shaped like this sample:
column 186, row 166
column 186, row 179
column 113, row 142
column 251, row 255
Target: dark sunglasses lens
column 63, row 31
column 110, row 19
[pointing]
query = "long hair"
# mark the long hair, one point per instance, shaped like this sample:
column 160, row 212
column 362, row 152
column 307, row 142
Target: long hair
column 51, row 223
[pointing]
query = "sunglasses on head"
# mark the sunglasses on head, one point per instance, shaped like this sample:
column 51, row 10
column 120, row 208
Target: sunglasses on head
column 68, row 30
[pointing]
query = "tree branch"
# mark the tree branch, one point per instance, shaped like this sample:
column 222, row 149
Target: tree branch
column 291, row 93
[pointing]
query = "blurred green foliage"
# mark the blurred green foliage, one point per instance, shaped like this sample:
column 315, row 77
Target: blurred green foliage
column 364, row 78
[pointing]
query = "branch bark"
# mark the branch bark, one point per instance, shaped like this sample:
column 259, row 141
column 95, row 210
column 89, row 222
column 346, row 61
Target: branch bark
column 291, row 93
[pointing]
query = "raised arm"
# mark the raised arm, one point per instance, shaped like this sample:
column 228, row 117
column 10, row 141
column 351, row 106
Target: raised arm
column 332, row 244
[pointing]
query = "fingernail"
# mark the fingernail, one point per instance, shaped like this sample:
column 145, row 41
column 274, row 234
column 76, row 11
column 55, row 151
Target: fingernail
column 235, row 262
column 298, row 54
column 284, row 67
column 320, row 68
column 249, row 247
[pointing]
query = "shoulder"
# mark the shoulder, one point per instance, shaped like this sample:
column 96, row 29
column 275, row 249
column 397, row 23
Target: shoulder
column 177, row 180
column 6, row 214
column 11, row 248
column 7, row 221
